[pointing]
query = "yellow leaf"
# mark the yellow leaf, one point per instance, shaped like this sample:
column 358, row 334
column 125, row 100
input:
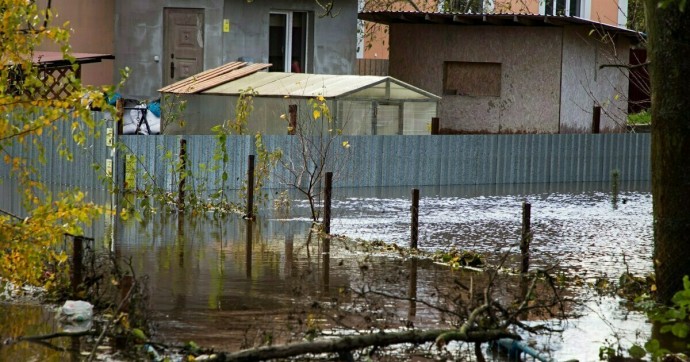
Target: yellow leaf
column 317, row 113
column 321, row 98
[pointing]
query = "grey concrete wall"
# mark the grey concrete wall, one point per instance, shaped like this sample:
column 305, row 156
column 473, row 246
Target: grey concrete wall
column 585, row 84
column 334, row 41
column 530, row 60
column 139, row 36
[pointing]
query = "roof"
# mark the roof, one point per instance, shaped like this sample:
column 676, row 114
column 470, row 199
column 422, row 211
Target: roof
column 300, row 85
column 56, row 59
column 213, row 77
column 501, row 19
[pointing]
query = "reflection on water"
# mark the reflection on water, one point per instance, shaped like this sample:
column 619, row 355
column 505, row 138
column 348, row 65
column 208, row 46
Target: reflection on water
column 231, row 283
column 32, row 320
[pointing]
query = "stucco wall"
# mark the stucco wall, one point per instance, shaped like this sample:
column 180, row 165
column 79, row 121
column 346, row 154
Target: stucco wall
column 334, row 38
column 530, row 60
column 139, row 36
column 585, row 84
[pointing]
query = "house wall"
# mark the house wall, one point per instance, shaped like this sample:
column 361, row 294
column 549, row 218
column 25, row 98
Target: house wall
column 139, row 36
column 606, row 11
column 530, row 59
column 93, row 32
column 584, row 83
column 334, row 38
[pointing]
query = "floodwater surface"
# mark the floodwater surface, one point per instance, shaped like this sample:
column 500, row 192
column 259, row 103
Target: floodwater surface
column 229, row 284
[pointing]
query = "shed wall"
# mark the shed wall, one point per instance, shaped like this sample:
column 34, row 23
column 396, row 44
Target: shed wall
column 530, row 59
column 586, row 84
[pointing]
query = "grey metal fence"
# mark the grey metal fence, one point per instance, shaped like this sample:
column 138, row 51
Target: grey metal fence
column 369, row 161
column 414, row 160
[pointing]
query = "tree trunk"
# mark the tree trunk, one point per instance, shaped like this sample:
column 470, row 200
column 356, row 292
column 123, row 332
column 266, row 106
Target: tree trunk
column 344, row 344
column 669, row 53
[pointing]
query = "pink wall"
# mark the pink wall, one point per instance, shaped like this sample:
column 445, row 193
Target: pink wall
column 93, row 25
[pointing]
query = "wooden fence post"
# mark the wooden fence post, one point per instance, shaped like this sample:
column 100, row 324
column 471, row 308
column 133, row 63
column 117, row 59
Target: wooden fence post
column 526, row 236
column 183, row 176
column 77, row 264
column 327, row 203
column 415, row 219
column 435, row 126
column 292, row 120
column 250, row 188
column 596, row 119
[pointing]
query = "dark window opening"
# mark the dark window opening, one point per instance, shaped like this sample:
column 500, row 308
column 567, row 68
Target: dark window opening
column 287, row 43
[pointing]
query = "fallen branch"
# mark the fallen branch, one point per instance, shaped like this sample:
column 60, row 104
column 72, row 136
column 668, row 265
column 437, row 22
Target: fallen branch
column 381, row 339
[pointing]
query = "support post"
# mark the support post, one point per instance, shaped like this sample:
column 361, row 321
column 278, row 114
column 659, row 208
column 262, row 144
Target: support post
column 292, row 120
column 327, row 203
column 435, row 126
column 596, row 119
column 77, row 264
column 250, row 188
column 415, row 219
column 183, row 174
column 327, row 230
column 526, row 236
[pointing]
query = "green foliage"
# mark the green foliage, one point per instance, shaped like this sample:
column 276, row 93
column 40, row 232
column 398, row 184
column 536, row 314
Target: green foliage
column 173, row 107
column 460, row 258
column 640, row 118
column 30, row 116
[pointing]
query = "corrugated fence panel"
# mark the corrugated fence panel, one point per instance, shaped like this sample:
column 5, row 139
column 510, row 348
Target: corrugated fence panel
column 369, row 161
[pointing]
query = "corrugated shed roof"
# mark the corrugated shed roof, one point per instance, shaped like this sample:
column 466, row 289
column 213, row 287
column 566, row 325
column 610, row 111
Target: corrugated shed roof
column 502, row 19
column 213, row 77
column 329, row 86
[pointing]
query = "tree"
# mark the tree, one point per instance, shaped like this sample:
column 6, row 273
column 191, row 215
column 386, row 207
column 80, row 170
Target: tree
column 30, row 112
column 668, row 52
column 314, row 151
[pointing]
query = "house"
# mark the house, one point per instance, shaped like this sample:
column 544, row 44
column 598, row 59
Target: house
column 357, row 105
column 165, row 41
column 373, row 39
column 513, row 73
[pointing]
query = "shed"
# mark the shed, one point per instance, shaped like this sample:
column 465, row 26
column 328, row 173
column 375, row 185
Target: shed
column 360, row 105
column 513, row 73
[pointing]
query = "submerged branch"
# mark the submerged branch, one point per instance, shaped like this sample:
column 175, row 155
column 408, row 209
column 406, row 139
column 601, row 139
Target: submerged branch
column 351, row 343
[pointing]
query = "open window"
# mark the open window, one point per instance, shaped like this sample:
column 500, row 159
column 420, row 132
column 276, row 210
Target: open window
column 288, row 37
column 472, row 79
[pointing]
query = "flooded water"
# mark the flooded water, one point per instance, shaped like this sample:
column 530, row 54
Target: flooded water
column 228, row 284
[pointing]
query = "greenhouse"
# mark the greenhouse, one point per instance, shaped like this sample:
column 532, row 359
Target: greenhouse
column 358, row 105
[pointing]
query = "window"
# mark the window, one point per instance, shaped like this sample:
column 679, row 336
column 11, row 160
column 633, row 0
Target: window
column 465, row 6
column 472, row 79
column 287, row 41
column 562, row 7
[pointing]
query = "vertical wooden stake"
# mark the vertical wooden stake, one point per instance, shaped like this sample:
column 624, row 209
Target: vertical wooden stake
column 183, row 173
column 327, row 204
column 327, row 230
column 415, row 219
column 435, row 125
column 526, row 236
column 292, row 120
column 250, row 188
column 596, row 119
column 77, row 264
